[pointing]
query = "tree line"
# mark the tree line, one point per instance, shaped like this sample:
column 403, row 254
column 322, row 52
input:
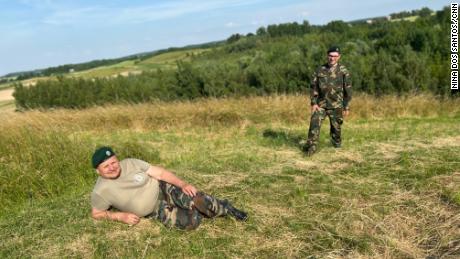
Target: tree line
column 384, row 57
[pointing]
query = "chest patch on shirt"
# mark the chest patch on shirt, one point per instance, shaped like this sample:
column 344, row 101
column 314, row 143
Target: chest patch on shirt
column 139, row 178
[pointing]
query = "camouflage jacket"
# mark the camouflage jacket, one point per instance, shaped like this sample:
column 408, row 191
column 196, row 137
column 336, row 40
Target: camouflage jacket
column 331, row 88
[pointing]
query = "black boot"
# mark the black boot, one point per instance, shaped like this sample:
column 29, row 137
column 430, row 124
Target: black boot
column 234, row 212
column 310, row 151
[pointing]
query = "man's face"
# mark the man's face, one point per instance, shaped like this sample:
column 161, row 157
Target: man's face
column 333, row 58
column 110, row 168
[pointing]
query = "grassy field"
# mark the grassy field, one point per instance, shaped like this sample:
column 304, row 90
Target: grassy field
column 392, row 191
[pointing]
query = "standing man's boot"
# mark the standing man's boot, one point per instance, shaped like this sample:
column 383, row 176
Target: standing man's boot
column 309, row 150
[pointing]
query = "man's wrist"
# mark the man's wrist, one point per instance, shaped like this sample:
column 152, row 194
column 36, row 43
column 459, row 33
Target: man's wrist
column 112, row 216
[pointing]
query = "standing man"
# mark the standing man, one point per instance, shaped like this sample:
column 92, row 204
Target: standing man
column 137, row 189
column 330, row 96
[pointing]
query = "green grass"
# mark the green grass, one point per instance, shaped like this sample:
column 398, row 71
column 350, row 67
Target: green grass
column 391, row 191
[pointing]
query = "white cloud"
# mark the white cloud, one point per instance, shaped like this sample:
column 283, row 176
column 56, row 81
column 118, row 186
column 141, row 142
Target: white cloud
column 231, row 25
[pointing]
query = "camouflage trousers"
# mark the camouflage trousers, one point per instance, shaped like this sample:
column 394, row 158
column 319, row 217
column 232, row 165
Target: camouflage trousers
column 177, row 209
column 335, row 119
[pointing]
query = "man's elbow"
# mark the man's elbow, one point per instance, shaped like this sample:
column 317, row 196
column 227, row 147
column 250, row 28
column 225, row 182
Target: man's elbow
column 157, row 173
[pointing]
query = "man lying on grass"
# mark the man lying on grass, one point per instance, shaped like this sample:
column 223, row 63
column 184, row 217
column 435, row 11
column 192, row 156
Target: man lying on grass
column 138, row 189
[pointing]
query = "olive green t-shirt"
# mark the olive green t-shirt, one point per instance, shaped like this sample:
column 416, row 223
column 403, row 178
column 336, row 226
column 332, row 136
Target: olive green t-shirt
column 133, row 191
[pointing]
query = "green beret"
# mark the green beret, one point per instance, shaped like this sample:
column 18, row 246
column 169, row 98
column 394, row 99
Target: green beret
column 101, row 154
column 333, row 49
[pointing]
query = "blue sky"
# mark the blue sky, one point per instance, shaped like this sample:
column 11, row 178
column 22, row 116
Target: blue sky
column 42, row 33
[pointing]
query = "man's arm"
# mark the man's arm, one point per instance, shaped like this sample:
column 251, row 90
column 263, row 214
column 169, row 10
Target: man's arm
column 125, row 217
column 314, row 93
column 162, row 174
column 346, row 93
column 314, row 90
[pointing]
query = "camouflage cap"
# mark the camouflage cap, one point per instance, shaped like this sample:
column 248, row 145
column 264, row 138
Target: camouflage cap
column 100, row 155
column 333, row 49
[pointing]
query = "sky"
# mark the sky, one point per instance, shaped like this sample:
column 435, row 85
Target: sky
column 36, row 34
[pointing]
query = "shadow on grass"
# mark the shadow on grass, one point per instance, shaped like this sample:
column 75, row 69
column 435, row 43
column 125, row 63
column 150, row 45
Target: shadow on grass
column 281, row 137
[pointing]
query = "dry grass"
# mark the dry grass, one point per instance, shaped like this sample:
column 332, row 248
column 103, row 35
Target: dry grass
column 225, row 112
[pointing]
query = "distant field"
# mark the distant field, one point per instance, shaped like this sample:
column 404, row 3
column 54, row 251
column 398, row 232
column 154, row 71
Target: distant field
column 169, row 59
column 409, row 19
column 8, row 84
column 5, row 85
column 6, row 94
column 106, row 71
column 162, row 61
column 392, row 191
column 7, row 105
column 26, row 82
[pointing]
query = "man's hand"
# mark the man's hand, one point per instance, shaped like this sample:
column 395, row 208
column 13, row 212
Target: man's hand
column 314, row 108
column 128, row 218
column 162, row 174
column 190, row 190
column 345, row 113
